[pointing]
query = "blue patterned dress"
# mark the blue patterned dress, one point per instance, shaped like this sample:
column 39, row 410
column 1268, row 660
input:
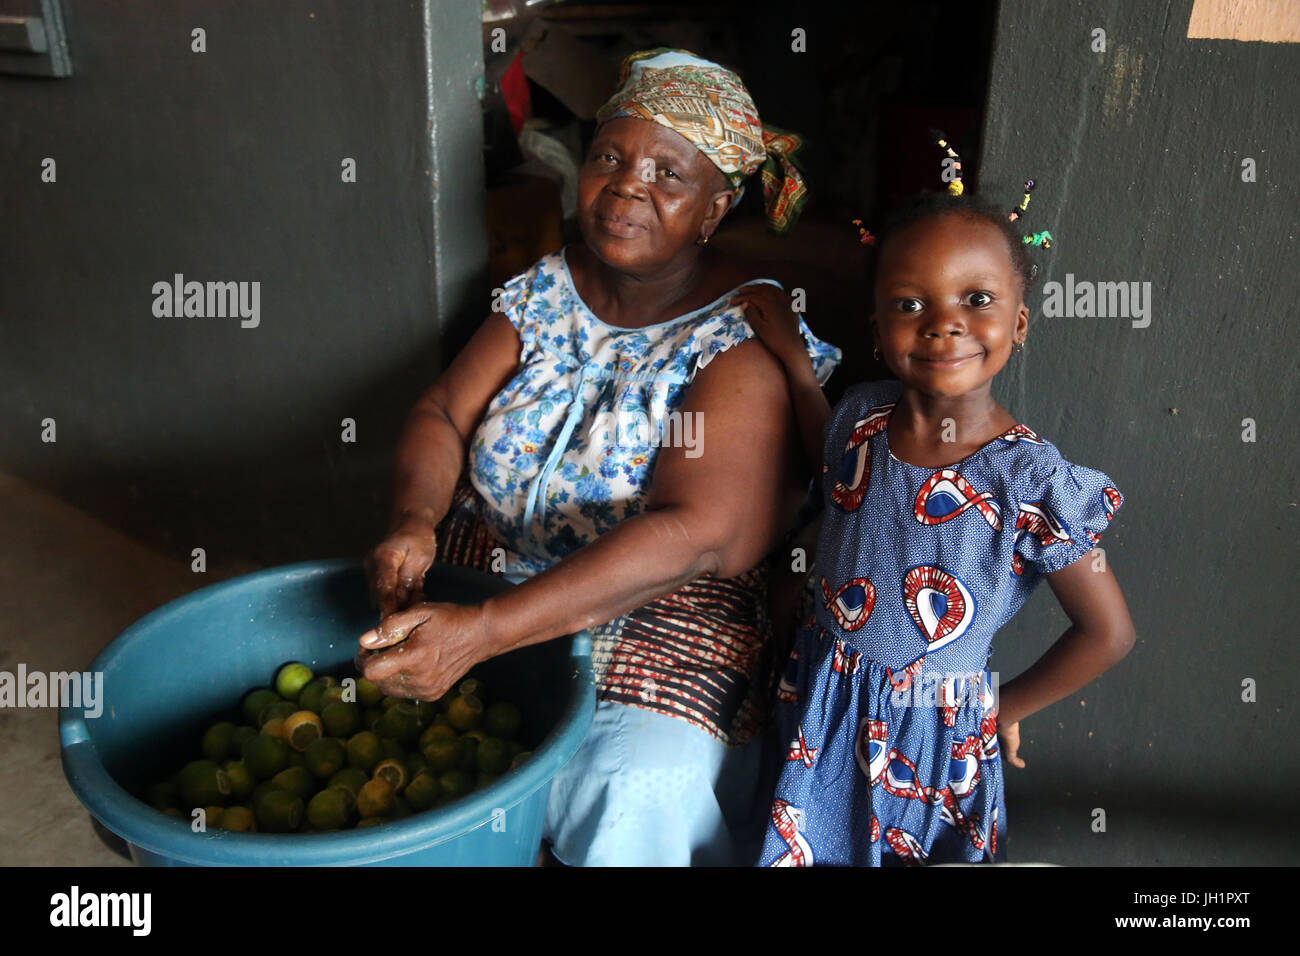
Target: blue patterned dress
column 887, row 704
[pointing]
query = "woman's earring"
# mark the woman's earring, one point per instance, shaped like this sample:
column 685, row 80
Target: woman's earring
column 702, row 241
column 875, row 351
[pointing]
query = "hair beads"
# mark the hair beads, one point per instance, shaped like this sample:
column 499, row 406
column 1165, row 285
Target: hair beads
column 865, row 237
column 1043, row 239
column 1024, row 203
column 955, row 187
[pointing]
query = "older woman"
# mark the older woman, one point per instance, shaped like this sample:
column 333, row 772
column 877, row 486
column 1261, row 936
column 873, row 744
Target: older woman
column 631, row 455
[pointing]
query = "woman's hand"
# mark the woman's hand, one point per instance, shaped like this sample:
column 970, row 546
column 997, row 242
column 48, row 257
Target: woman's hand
column 423, row 651
column 395, row 569
column 768, row 312
column 1009, row 735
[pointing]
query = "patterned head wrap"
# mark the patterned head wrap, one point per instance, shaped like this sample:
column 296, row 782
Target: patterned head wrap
column 708, row 105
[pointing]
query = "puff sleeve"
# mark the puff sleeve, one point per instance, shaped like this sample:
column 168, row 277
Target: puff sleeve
column 1062, row 513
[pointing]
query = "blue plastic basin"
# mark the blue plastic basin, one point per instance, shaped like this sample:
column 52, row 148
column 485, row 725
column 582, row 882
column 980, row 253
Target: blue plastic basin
column 169, row 674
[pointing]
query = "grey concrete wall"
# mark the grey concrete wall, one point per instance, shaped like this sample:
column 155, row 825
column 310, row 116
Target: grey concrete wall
column 226, row 166
column 1137, row 152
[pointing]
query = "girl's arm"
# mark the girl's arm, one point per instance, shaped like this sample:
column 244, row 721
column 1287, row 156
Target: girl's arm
column 1100, row 634
column 767, row 310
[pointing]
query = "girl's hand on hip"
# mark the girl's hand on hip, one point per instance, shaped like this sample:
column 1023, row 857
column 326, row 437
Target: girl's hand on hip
column 423, row 651
column 1009, row 735
column 768, row 312
column 395, row 569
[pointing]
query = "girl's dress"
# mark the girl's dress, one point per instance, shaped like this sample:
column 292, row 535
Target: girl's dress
column 670, row 773
column 890, row 736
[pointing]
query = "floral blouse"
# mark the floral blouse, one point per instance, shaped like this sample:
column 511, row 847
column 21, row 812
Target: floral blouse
column 567, row 449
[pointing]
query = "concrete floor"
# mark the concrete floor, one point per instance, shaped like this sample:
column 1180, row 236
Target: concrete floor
column 68, row 585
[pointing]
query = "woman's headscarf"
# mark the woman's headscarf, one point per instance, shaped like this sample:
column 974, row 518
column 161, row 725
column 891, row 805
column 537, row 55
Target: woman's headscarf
column 710, row 106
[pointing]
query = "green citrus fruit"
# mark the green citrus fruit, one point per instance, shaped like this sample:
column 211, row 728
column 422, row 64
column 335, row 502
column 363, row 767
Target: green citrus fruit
column 274, row 728
column 472, row 687
column 216, row 741
column 341, row 719
column 375, row 798
column 203, row 783
column 468, row 753
column 255, row 701
column 278, row 811
column 465, row 712
column 519, row 759
column 239, row 819
column 455, row 783
column 351, row 779
column 364, row 750
column 394, row 771
column 437, row 732
column 291, row 679
column 443, row 754
column 238, row 738
column 414, row 763
column 493, row 756
column 265, row 756
column 295, row 780
column 279, row 710
column 329, row 809
column 241, row 780
column 301, row 728
column 368, row 693
column 423, row 791
column 366, row 822
column 325, row 756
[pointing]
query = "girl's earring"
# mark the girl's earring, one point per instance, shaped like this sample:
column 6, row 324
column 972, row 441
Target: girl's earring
column 1018, row 346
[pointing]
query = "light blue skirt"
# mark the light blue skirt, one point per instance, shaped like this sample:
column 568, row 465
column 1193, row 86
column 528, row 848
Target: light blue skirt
column 649, row 790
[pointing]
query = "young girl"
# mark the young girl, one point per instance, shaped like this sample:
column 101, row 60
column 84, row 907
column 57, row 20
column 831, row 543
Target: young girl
column 942, row 513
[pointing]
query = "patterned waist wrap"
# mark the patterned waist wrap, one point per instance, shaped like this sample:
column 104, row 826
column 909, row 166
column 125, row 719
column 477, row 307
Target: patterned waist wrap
column 700, row 654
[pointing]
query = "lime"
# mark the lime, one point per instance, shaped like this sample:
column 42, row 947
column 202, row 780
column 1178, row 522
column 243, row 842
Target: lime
column 401, row 809
column 392, row 749
column 302, row 728
column 386, row 702
column 329, row 809
column 478, row 733
column 255, row 701
column 237, row 740
column 351, row 779
column 443, row 754
column 278, row 711
column 312, row 696
column 203, row 782
column 399, row 723
column 240, row 819
column 278, row 811
column 394, row 771
column 216, row 741
column 292, row 678
column 455, row 783
column 503, row 719
column 493, row 756
column 472, row 687
column 441, row 719
column 436, row 732
column 241, row 780
column 325, row 756
column 296, row 759
column 423, row 791
column 370, row 717
column 368, row 693
column 465, row 712
column 364, row 750
column 164, row 795
column 295, row 780
column 265, row 756
column 367, row 822
column 426, row 710
column 341, row 719
column 520, row 759
column 261, row 790
column 514, row 748
column 274, row 728
column 375, row 798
